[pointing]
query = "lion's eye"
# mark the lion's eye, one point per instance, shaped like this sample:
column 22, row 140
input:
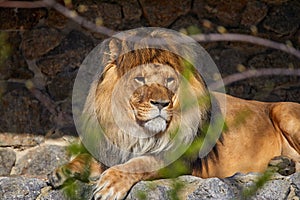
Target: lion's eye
column 170, row 80
column 140, row 79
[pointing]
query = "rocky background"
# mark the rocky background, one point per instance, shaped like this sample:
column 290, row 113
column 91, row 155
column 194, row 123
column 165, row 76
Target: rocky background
column 41, row 51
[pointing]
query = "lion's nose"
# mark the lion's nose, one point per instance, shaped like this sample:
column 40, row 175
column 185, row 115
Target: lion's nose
column 160, row 104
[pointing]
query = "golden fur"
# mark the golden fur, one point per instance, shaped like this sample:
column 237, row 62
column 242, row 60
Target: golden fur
column 140, row 96
column 255, row 132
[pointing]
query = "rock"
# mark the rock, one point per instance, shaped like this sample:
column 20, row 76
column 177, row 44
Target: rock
column 185, row 22
column 20, row 19
column 68, row 55
column 283, row 19
column 102, row 13
column 248, row 18
column 56, row 19
column 52, row 195
column 110, row 15
column 38, row 42
column 155, row 190
column 229, row 12
column 273, row 60
column 164, row 13
column 277, row 189
column 21, row 113
column 131, row 9
column 7, row 160
column 275, row 88
column 75, row 190
column 12, row 188
column 20, row 140
column 227, row 60
column 40, row 161
column 213, row 188
column 192, row 188
column 14, row 65
column 201, row 9
column 184, row 187
column 295, row 179
column 60, row 87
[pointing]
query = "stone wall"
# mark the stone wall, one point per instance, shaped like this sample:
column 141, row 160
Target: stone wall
column 45, row 50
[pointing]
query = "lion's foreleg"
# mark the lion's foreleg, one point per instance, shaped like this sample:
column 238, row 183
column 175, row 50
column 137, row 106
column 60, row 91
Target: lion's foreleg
column 83, row 167
column 116, row 181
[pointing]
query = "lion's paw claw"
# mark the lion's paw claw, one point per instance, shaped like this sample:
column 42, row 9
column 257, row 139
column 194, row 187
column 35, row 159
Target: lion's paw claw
column 111, row 186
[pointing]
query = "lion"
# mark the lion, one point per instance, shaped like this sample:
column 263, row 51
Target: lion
column 143, row 92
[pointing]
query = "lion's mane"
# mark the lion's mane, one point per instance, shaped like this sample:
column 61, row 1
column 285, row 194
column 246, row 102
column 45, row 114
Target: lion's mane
column 99, row 120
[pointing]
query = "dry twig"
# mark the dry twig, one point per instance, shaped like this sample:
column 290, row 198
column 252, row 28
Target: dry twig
column 254, row 73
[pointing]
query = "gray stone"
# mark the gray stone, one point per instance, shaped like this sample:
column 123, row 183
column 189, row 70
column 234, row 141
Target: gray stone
column 183, row 187
column 295, row 179
column 60, row 87
column 21, row 113
column 155, row 190
column 227, row 60
column 192, row 188
column 200, row 8
column 20, row 19
column 20, row 140
column 283, row 19
column 67, row 56
column 213, row 188
column 131, row 9
column 273, row 189
column 7, row 160
column 53, row 194
column 40, row 161
column 56, row 19
column 229, row 12
column 273, row 60
column 74, row 191
column 38, row 42
column 105, row 13
column 164, row 13
column 244, row 186
column 20, row 188
column 12, row 62
column 185, row 22
column 248, row 18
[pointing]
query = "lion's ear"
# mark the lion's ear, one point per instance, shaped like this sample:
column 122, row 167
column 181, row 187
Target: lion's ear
column 114, row 49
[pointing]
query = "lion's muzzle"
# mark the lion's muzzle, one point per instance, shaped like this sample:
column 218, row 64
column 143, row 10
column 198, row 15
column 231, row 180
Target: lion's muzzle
column 153, row 107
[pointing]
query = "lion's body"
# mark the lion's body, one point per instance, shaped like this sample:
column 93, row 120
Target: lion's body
column 256, row 133
column 147, row 102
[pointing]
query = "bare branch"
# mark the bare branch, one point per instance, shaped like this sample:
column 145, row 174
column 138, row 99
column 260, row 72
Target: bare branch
column 254, row 73
column 45, row 100
column 245, row 38
column 78, row 19
column 22, row 4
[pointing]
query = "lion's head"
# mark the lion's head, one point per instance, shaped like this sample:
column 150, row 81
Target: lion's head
column 143, row 97
column 151, row 90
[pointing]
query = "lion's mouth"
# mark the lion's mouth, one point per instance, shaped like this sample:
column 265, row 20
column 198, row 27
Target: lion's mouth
column 155, row 125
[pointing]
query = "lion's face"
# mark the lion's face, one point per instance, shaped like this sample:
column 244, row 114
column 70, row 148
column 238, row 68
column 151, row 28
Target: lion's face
column 153, row 97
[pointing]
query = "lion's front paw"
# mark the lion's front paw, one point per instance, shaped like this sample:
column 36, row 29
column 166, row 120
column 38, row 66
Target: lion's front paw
column 57, row 178
column 283, row 165
column 113, row 184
